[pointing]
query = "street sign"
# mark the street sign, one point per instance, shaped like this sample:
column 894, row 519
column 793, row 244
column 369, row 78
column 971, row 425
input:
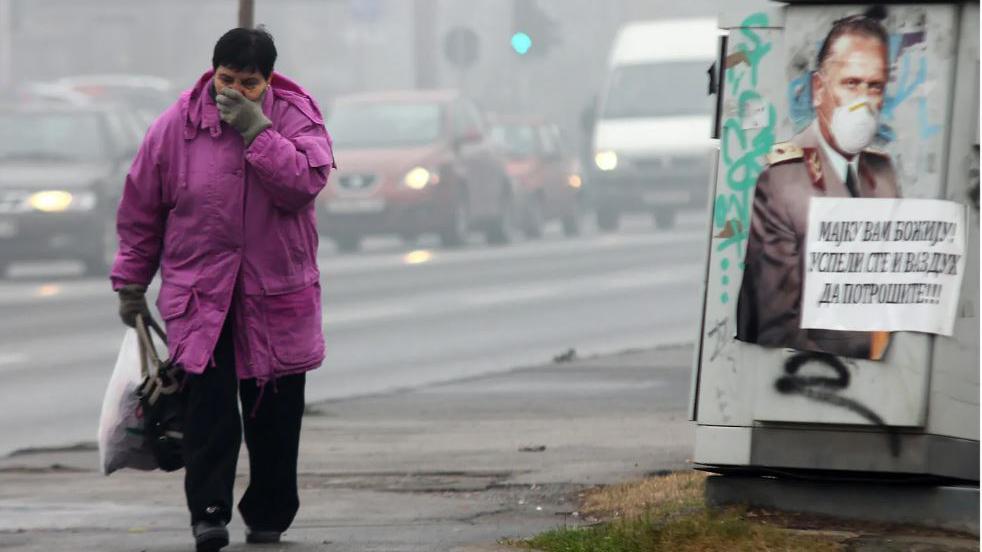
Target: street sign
column 461, row 47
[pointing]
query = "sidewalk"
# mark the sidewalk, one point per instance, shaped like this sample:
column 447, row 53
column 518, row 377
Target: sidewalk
column 428, row 470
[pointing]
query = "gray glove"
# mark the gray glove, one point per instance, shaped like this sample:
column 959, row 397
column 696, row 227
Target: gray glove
column 133, row 301
column 242, row 114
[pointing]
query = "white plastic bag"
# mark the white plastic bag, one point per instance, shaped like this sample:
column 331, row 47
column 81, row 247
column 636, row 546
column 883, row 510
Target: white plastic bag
column 121, row 442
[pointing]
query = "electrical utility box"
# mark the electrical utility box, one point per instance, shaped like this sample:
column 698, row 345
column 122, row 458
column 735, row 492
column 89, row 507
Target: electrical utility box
column 858, row 114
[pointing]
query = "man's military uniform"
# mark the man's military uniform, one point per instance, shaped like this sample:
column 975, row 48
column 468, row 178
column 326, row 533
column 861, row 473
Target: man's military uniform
column 769, row 307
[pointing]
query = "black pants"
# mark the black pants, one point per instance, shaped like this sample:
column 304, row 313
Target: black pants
column 213, row 435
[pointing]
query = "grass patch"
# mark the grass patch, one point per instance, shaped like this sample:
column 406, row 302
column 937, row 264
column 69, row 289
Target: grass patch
column 668, row 514
column 665, row 495
column 701, row 531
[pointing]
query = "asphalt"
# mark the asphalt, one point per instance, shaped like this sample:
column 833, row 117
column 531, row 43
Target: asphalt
column 447, row 467
column 452, row 467
column 395, row 317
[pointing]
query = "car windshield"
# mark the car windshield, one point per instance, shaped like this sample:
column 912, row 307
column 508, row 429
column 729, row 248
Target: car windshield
column 51, row 136
column 657, row 90
column 379, row 125
column 517, row 140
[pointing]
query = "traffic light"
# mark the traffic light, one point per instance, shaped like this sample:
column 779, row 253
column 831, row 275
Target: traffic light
column 534, row 32
column 521, row 42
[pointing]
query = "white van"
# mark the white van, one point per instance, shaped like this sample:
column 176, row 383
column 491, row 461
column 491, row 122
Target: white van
column 651, row 137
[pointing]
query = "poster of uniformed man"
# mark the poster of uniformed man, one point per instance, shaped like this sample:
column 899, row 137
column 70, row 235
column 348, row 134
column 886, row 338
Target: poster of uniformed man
column 831, row 157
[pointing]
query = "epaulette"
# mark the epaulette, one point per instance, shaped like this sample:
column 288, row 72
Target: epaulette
column 304, row 103
column 814, row 165
column 784, row 151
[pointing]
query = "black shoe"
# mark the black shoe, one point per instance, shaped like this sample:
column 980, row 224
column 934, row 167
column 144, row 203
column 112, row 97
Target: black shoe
column 254, row 536
column 210, row 536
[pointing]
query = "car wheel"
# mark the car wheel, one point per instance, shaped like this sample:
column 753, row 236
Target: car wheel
column 664, row 219
column 502, row 229
column 534, row 217
column 458, row 227
column 573, row 220
column 348, row 244
column 608, row 219
column 100, row 261
column 572, row 225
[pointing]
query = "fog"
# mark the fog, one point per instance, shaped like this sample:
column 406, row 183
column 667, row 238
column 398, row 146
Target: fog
column 495, row 255
column 443, row 254
column 335, row 47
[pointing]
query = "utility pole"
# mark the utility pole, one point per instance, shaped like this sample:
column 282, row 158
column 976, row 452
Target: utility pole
column 424, row 43
column 6, row 43
column 247, row 9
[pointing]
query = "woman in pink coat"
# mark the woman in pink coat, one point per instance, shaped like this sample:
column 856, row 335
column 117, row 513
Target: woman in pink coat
column 220, row 198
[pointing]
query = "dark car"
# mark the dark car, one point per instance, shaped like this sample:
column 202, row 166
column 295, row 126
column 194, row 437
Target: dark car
column 546, row 174
column 413, row 163
column 62, row 169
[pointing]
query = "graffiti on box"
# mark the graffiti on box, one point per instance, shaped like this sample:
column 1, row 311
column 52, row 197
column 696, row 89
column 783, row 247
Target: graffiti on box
column 742, row 148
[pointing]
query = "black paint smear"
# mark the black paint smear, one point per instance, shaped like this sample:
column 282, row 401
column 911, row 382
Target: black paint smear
column 824, row 389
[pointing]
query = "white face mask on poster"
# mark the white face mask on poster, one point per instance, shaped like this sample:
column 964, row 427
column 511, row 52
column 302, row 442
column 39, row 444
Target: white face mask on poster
column 855, row 125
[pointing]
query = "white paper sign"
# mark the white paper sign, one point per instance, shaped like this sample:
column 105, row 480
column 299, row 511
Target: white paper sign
column 883, row 264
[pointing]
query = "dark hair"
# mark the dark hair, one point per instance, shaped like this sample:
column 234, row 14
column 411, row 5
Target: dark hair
column 246, row 50
column 868, row 24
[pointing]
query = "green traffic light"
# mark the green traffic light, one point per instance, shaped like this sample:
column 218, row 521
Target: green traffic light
column 521, row 43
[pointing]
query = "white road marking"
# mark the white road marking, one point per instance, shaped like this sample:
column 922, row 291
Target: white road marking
column 362, row 313
column 13, row 358
column 505, row 296
column 640, row 279
column 15, row 293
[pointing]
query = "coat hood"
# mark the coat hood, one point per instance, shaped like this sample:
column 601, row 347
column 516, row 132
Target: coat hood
column 199, row 111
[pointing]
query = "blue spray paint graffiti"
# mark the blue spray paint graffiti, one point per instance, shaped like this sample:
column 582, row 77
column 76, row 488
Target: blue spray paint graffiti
column 908, row 62
column 800, row 101
column 742, row 151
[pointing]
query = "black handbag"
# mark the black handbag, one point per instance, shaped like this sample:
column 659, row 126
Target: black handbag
column 163, row 400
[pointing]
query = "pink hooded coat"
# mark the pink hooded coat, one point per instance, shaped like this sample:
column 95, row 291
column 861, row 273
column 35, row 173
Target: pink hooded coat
column 232, row 229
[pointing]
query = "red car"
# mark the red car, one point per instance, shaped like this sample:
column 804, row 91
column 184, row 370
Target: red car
column 548, row 179
column 412, row 163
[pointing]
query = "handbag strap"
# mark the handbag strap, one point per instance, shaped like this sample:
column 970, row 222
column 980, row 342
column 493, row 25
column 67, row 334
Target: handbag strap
column 147, row 347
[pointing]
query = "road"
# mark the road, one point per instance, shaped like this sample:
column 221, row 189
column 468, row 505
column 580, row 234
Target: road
column 394, row 316
column 442, row 468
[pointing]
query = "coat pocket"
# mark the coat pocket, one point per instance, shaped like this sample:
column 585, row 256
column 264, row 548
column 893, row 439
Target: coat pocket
column 172, row 302
column 317, row 149
column 293, row 323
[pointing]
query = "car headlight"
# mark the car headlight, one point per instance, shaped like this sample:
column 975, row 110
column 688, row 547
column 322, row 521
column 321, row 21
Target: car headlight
column 57, row 201
column 419, row 178
column 606, row 160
